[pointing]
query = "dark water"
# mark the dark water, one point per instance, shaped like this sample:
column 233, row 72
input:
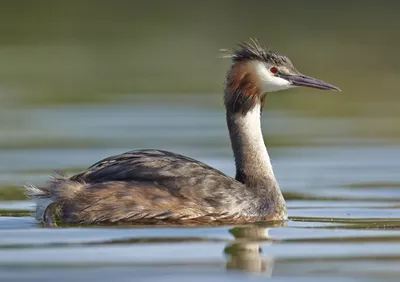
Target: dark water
column 343, row 197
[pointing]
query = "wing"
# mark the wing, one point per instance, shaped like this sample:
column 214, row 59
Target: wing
column 181, row 175
column 150, row 165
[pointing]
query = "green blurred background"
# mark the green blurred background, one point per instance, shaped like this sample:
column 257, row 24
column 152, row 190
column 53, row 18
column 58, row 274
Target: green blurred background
column 66, row 53
column 57, row 52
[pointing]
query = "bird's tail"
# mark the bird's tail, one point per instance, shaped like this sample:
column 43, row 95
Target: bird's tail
column 50, row 196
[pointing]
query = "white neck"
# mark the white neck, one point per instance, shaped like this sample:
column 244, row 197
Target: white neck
column 253, row 165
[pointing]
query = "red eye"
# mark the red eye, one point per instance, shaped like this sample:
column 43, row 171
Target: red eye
column 273, row 70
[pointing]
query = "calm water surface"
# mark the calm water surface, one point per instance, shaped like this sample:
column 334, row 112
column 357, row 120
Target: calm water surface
column 343, row 197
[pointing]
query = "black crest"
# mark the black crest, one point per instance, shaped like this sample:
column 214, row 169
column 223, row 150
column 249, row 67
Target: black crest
column 252, row 50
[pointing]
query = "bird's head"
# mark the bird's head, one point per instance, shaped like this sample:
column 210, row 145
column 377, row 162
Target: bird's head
column 258, row 70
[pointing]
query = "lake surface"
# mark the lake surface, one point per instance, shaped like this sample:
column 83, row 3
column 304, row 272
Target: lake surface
column 343, row 194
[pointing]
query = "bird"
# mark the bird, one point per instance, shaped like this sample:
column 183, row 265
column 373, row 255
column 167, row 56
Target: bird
column 149, row 186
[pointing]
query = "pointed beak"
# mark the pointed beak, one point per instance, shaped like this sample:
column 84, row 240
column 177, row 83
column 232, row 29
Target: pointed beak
column 308, row 81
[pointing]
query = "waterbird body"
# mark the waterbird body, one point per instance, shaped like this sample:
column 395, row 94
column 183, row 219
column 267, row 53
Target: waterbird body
column 155, row 186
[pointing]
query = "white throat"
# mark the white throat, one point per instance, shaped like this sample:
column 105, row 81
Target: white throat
column 251, row 155
column 251, row 122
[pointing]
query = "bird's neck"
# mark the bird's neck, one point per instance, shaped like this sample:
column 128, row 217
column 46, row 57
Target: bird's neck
column 253, row 165
column 251, row 156
column 243, row 102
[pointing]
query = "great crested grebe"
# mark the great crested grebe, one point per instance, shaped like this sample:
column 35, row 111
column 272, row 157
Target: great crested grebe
column 156, row 187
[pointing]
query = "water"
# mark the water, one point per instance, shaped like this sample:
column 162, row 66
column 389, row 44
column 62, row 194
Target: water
column 342, row 192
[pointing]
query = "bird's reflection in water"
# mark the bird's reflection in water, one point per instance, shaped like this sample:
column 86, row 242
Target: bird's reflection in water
column 245, row 253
